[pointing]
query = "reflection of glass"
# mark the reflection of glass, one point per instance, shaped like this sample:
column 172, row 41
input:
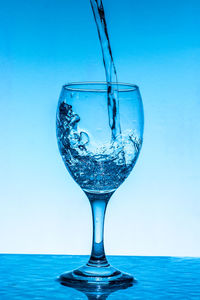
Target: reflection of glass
column 98, row 292
column 98, row 162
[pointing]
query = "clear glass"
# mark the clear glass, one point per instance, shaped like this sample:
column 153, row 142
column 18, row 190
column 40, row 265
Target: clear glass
column 97, row 162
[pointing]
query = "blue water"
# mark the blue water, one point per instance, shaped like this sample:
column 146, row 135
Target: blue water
column 33, row 277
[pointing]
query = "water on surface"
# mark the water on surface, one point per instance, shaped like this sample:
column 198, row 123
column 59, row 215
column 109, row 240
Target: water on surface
column 33, row 277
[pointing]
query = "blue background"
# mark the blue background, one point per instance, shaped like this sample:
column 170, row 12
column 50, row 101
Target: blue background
column 156, row 45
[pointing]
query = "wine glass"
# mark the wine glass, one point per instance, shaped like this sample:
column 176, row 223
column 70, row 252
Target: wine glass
column 97, row 161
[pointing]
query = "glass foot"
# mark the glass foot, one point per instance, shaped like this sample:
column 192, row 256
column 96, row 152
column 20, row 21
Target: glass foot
column 93, row 275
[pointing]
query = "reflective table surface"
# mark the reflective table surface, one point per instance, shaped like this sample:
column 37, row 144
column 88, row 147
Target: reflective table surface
column 34, row 277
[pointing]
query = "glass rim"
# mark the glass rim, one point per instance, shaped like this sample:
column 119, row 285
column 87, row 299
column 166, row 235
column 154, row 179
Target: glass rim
column 125, row 87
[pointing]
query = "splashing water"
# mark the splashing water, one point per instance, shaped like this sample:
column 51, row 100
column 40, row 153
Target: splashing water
column 98, row 168
column 101, row 168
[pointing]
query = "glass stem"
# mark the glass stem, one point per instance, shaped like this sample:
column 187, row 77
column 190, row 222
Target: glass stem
column 98, row 204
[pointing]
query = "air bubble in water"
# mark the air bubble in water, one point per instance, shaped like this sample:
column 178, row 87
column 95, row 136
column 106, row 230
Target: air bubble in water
column 84, row 138
column 74, row 120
